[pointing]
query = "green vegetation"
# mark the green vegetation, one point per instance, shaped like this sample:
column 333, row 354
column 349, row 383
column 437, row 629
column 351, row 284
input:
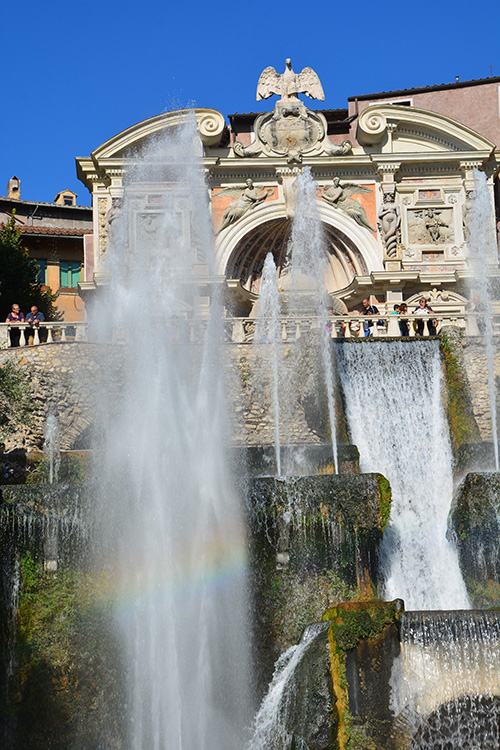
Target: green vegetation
column 19, row 274
column 294, row 601
column 72, row 470
column 354, row 621
column 463, row 426
column 16, row 404
column 385, row 500
column 67, row 676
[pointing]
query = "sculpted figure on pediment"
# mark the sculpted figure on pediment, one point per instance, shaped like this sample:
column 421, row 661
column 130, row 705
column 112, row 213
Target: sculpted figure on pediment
column 339, row 196
column 291, row 130
column 248, row 199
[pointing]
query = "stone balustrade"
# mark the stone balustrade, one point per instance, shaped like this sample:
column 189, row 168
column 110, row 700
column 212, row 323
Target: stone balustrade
column 247, row 330
column 44, row 332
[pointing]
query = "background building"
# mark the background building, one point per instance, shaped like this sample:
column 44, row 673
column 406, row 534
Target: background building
column 54, row 235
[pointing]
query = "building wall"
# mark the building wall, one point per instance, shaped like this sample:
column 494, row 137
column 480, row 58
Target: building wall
column 477, row 107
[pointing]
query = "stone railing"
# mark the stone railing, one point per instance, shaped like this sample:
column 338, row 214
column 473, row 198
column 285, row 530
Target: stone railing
column 46, row 332
column 247, row 330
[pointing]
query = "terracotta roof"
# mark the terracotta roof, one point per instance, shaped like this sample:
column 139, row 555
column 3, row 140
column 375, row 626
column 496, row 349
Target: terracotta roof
column 44, row 203
column 423, row 89
column 63, row 231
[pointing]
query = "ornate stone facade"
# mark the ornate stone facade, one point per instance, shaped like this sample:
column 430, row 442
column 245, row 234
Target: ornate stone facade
column 392, row 190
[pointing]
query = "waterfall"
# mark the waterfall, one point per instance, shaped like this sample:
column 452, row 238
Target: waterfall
column 392, row 393
column 271, row 728
column 446, row 681
column 169, row 517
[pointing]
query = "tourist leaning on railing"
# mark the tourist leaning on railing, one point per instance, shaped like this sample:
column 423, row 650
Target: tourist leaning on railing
column 35, row 318
column 15, row 316
column 424, row 309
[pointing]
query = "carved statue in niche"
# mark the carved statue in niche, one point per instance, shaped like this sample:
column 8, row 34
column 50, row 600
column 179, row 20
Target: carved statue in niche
column 433, row 224
column 111, row 220
column 389, row 224
column 339, row 196
column 248, row 198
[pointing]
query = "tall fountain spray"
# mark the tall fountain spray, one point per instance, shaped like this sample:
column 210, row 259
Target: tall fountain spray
column 307, row 280
column 170, row 524
column 52, row 447
column 269, row 336
column 483, row 256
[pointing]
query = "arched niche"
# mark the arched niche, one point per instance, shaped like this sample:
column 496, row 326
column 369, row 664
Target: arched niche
column 351, row 250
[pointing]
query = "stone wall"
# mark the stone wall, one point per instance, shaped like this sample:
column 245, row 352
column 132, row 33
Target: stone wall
column 477, row 372
column 65, row 378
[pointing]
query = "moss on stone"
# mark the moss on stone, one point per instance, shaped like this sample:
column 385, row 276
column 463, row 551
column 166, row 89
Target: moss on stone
column 353, row 622
column 463, row 426
column 67, row 691
column 385, row 500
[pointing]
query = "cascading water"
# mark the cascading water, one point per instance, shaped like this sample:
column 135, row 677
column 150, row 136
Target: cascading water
column 307, row 271
column 271, row 729
column 446, row 681
column 392, row 392
column 169, row 519
column 483, row 255
column 269, row 338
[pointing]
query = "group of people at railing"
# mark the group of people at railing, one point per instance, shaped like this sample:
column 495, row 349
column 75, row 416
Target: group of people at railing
column 34, row 318
column 423, row 314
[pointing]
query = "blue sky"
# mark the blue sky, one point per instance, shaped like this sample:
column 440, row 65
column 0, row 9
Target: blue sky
column 77, row 73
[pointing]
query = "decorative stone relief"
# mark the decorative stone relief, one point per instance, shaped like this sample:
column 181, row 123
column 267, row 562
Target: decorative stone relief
column 102, row 210
column 248, row 198
column 430, row 226
column 291, row 130
column 339, row 196
column 412, row 253
column 389, row 224
column 148, row 227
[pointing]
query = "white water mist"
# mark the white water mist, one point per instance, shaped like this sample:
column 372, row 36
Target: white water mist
column 308, row 266
column 395, row 416
column 52, row 447
column 269, row 339
column 169, row 519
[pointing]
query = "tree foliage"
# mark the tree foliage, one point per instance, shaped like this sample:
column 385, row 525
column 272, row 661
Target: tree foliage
column 18, row 276
column 16, row 404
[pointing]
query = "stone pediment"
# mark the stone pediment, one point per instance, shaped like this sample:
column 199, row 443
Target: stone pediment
column 210, row 125
column 388, row 128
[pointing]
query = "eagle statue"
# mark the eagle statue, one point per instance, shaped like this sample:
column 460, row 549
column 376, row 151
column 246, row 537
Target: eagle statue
column 289, row 84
